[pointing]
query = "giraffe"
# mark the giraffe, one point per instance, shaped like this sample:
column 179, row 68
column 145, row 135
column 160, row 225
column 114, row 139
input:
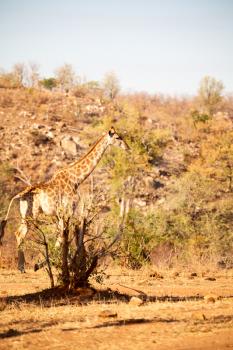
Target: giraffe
column 60, row 191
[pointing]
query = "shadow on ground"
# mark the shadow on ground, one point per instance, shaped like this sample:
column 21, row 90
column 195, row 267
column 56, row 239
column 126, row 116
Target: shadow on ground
column 59, row 296
column 12, row 333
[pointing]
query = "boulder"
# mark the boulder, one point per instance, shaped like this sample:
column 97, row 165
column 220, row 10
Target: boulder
column 107, row 314
column 211, row 298
column 136, row 301
column 69, row 146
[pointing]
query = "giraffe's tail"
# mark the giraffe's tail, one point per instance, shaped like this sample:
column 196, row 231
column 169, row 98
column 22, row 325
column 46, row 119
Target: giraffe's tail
column 4, row 221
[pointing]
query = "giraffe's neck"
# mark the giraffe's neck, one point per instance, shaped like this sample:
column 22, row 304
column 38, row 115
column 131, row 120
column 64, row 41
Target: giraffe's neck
column 80, row 170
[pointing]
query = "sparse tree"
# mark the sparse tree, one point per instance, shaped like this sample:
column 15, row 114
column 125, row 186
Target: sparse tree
column 14, row 78
column 210, row 94
column 84, row 241
column 65, row 76
column 34, row 74
column 18, row 73
column 31, row 74
column 111, row 85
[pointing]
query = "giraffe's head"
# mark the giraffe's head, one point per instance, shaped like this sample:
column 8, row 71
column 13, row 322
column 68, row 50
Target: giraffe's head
column 116, row 140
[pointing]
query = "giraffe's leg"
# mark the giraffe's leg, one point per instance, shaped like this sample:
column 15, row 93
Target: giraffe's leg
column 21, row 233
column 61, row 229
column 21, row 260
column 61, row 223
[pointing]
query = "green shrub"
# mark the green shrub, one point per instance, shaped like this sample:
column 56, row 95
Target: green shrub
column 198, row 117
column 49, row 83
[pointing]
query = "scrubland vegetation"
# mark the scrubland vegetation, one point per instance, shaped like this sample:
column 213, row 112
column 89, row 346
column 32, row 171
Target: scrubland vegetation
column 176, row 184
column 153, row 228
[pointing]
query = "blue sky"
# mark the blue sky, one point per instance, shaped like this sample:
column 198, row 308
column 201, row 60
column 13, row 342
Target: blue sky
column 162, row 46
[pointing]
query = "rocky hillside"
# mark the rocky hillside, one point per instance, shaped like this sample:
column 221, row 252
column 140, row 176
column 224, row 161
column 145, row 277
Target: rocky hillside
column 173, row 147
column 42, row 131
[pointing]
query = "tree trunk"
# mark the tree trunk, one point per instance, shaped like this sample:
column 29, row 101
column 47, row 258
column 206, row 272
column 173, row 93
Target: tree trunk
column 79, row 263
column 65, row 275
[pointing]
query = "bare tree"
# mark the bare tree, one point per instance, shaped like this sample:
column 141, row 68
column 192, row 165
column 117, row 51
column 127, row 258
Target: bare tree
column 210, row 94
column 18, row 72
column 31, row 74
column 34, row 75
column 111, row 85
column 21, row 175
column 65, row 76
column 83, row 241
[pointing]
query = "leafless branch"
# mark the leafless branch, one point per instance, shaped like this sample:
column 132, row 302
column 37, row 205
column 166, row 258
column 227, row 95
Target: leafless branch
column 23, row 177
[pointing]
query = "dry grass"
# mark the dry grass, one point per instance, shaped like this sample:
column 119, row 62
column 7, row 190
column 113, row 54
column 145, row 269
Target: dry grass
column 188, row 324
